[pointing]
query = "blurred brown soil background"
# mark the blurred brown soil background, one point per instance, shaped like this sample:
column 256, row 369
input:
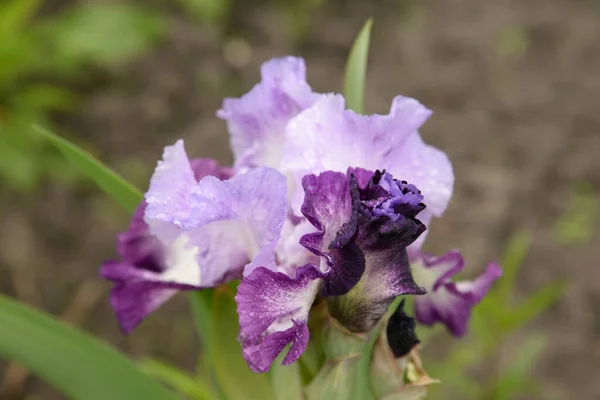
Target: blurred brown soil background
column 515, row 90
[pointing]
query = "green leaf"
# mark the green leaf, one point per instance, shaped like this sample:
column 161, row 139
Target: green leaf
column 516, row 377
column 534, row 306
column 286, row 380
column 201, row 305
column 75, row 363
column 334, row 381
column 233, row 376
column 356, row 69
column 514, row 256
column 180, row 381
column 362, row 386
column 106, row 33
column 14, row 14
column 579, row 223
column 110, row 182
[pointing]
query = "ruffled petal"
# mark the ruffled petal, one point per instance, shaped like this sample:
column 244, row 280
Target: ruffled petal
column 171, row 186
column 257, row 120
column 363, row 232
column 328, row 137
column 273, row 310
column 194, row 235
column 448, row 302
column 148, row 274
column 328, row 207
column 253, row 206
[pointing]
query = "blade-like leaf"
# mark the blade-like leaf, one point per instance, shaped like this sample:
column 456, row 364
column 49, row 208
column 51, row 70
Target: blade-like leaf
column 534, row 305
column 75, row 363
column 183, row 383
column 514, row 256
column 233, row 376
column 110, row 182
column 516, row 377
column 286, row 381
column 129, row 197
column 356, row 69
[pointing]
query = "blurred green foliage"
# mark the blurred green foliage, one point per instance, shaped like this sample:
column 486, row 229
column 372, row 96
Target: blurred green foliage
column 41, row 57
column 580, row 220
column 494, row 323
column 211, row 11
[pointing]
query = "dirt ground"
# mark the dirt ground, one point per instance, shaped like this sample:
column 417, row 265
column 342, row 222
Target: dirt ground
column 515, row 89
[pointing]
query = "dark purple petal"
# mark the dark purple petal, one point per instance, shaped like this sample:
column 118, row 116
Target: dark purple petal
column 273, row 310
column 261, row 356
column 364, row 226
column 328, row 206
column 137, row 293
column 448, row 302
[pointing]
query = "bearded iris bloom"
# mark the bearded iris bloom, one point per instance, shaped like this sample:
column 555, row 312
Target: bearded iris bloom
column 321, row 203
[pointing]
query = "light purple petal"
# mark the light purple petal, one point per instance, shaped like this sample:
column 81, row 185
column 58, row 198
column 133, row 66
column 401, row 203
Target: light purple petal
column 448, row 302
column 257, row 120
column 171, row 187
column 328, row 137
column 193, row 234
column 273, row 310
column 251, row 209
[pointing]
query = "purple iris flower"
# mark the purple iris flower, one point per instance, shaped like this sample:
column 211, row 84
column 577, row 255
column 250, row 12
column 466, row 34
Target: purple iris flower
column 364, row 223
column 304, row 213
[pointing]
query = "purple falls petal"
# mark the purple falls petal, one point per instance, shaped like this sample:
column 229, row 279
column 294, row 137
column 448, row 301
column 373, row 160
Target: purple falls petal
column 273, row 310
column 257, row 120
column 143, row 277
column 448, row 302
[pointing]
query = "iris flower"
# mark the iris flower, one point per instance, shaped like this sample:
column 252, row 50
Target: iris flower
column 321, row 203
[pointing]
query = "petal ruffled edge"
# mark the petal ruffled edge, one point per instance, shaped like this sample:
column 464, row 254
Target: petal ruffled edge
column 273, row 310
column 448, row 302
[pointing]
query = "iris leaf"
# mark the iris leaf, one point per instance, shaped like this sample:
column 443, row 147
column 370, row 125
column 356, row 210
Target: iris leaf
column 129, row 197
column 117, row 188
column 183, row 383
column 356, row 69
column 77, row 364
column 233, row 376
column 286, row 380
